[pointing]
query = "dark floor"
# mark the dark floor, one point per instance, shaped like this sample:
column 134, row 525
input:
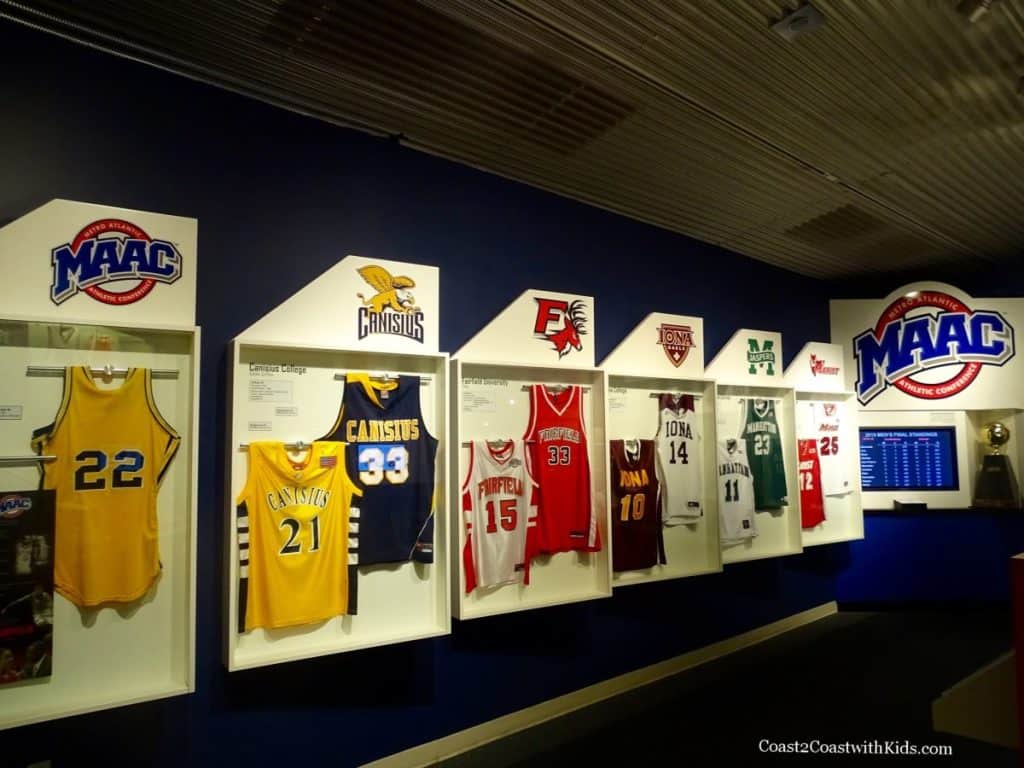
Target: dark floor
column 849, row 678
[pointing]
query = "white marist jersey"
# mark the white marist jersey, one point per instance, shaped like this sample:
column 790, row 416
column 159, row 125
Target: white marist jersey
column 824, row 425
column 678, row 443
column 499, row 505
column 735, row 493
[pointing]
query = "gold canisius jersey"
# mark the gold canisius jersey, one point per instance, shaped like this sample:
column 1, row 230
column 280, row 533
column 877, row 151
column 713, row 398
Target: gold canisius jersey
column 112, row 448
column 297, row 533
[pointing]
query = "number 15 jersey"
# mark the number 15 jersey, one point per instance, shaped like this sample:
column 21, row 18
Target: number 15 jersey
column 391, row 459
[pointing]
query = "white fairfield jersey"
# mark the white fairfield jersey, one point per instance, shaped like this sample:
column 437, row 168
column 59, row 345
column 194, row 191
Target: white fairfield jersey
column 823, row 422
column 678, row 443
column 499, row 508
column 735, row 493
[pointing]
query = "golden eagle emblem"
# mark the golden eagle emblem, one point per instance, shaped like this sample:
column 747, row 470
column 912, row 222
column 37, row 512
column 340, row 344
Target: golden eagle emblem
column 391, row 291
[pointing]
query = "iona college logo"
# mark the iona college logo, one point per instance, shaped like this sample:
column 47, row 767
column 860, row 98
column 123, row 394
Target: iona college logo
column 14, row 504
column 929, row 345
column 677, row 341
column 820, row 368
column 110, row 254
column 562, row 323
column 392, row 309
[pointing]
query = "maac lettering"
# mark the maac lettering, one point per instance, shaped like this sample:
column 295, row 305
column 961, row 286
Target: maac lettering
column 97, row 261
column 906, row 347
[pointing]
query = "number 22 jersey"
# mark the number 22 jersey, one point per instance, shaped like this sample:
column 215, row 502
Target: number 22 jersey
column 391, row 459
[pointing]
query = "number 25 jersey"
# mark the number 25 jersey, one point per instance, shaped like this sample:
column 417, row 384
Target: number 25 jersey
column 391, row 459
column 112, row 448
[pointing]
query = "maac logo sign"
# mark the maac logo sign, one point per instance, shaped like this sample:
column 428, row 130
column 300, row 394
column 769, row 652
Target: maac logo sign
column 929, row 330
column 13, row 505
column 392, row 309
column 562, row 323
column 109, row 254
column 761, row 356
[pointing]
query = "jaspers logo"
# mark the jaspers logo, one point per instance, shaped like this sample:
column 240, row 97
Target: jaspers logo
column 112, row 251
column 573, row 319
column 393, row 309
column 761, row 357
column 899, row 348
column 14, row 504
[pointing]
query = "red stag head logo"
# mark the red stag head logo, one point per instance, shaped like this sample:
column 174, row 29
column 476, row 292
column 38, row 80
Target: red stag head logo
column 573, row 317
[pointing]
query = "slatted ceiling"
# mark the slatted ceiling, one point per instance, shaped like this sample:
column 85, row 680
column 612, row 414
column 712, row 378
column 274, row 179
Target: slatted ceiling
column 695, row 117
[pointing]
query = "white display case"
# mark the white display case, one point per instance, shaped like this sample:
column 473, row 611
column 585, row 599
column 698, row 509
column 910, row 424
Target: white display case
column 492, row 401
column 693, row 548
column 290, row 392
column 817, row 375
column 126, row 653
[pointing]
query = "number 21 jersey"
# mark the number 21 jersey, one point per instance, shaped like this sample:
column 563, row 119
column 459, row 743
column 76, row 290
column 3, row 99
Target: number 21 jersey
column 391, row 459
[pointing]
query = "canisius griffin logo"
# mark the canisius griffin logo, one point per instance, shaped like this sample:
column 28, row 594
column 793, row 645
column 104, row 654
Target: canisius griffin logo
column 761, row 356
column 928, row 330
column 392, row 309
column 677, row 341
column 111, row 252
column 820, row 368
column 569, row 318
column 14, row 504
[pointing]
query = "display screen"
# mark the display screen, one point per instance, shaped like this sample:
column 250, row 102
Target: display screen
column 908, row 459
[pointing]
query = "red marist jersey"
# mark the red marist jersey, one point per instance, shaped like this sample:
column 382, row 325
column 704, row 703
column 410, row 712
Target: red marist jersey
column 566, row 520
column 812, row 502
column 637, row 541
column 499, row 505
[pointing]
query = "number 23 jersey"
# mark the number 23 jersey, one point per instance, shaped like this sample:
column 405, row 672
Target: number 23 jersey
column 112, row 448
column 391, row 459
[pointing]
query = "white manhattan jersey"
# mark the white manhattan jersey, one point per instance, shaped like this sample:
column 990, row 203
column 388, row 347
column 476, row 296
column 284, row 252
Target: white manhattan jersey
column 499, row 507
column 735, row 493
column 822, row 422
column 678, row 443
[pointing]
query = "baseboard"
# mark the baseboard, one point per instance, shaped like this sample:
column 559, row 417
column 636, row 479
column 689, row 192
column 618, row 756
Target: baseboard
column 485, row 733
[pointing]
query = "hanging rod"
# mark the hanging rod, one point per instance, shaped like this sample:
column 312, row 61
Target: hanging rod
column 31, row 459
column 385, row 377
column 554, row 387
column 297, row 445
column 107, row 371
column 467, row 443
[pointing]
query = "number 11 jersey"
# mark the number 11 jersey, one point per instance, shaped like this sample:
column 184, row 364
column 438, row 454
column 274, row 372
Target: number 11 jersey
column 678, row 443
column 391, row 459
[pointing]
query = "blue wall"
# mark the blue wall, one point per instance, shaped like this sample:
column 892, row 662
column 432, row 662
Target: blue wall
column 280, row 198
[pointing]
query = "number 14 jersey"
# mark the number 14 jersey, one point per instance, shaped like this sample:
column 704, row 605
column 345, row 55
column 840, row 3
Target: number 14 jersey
column 678, row 442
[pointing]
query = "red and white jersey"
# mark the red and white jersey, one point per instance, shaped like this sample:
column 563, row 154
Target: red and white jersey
column 561, row 465
column 823, row 422
column 499, row 507
column 812, row 502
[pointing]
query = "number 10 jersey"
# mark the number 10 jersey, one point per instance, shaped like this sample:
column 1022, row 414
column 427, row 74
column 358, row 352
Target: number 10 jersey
column 391, row 459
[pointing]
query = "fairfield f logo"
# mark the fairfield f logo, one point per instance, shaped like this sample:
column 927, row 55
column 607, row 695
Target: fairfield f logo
column 761, row 357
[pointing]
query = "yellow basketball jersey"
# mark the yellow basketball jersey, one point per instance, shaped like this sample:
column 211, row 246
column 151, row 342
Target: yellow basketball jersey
column 112, row 448
column 295, row 518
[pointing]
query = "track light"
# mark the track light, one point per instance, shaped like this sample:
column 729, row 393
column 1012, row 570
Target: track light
column 803, row 20
column 973, row 10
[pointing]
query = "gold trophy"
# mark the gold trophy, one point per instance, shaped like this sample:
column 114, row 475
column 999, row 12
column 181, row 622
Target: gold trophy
column 996, row 486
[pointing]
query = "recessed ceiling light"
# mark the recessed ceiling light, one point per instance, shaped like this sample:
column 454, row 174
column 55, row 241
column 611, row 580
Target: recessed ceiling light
column 803, row 20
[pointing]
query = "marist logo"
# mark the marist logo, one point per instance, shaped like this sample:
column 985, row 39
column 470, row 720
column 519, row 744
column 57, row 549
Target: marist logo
column 392, row 309
column 924, row 331
column 112, row 251
column 570, row 320
column 677, row 341
column 761, row 357
column 818, row 367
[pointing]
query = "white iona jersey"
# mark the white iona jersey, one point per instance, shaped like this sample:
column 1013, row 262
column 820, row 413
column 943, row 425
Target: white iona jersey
column 735, row 492
column 499, row 507
column 678, row 442
column 823, row 422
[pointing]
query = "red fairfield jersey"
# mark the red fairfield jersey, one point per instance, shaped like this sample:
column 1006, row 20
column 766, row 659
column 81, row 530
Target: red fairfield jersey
column 499, row 505
column 558, row 439
column 812, row 502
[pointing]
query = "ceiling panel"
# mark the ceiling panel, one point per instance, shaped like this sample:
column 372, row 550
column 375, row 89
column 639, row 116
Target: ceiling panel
column 887, row 140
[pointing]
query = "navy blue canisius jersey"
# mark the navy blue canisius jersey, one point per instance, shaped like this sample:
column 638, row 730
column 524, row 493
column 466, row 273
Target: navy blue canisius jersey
column 390, row 456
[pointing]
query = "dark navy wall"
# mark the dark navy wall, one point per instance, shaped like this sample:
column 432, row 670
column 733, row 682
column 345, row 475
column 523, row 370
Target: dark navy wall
column 280, row 198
